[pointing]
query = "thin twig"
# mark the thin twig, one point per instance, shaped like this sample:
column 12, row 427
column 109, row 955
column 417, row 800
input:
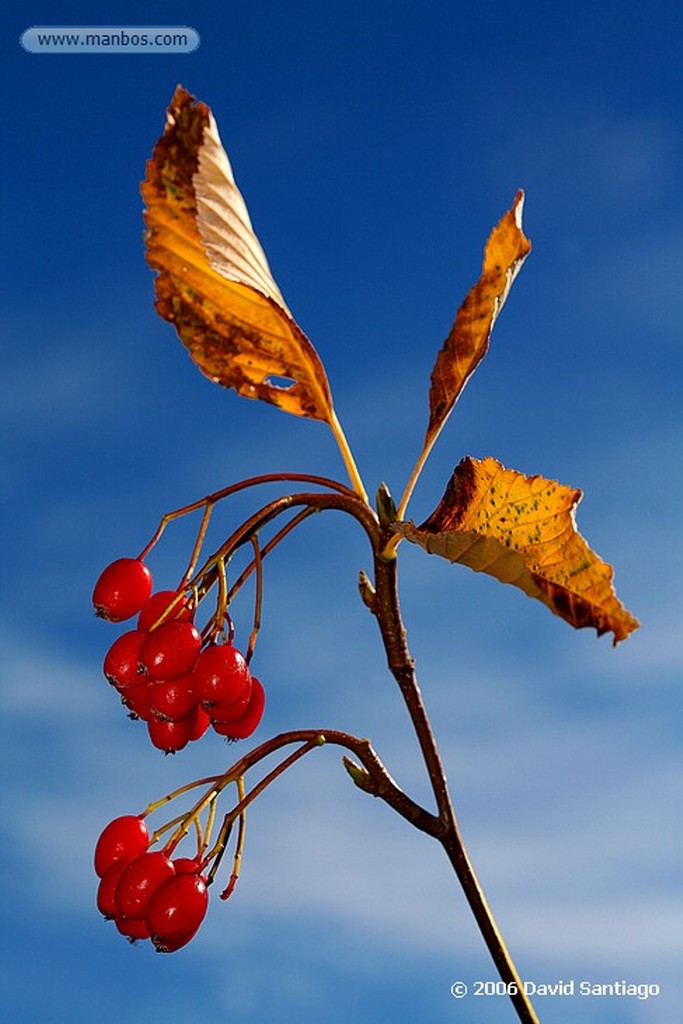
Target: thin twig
column 385, row 607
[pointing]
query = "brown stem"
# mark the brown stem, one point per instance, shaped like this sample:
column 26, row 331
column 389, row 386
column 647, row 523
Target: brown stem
column 342, row 501
column 402, row 667
column 267, row 548
column 385, row 606
column 372, row 777
column 212, row 499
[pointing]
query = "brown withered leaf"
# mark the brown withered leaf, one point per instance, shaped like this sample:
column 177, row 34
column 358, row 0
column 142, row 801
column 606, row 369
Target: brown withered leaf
column 521, row 530
column 468, row 341
column 214, row 283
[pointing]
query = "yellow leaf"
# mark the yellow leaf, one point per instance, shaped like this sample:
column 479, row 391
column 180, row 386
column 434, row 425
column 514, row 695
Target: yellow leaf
column 521, row 530
column 468, row 340
column 214, row 283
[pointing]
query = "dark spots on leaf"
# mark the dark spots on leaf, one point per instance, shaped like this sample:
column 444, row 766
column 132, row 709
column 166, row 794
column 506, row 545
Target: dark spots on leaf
column 580, row 568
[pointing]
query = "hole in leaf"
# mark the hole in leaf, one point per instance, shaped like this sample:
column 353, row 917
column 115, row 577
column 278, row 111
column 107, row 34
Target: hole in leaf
column 282, row 383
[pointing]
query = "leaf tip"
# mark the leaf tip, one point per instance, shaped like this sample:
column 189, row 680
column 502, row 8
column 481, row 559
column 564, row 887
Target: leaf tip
column 518, row 207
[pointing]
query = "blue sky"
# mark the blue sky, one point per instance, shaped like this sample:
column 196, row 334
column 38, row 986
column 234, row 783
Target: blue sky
column 376, row 145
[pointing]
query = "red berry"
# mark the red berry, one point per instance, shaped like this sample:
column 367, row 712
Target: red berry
column 187, row 866
column 122, row 658
column 140, row 879
column 131, row 928
column 124, row 839
column 169, row 736
column 107, row 888
column 229, row 710
column 159, row 603
column 249, row 720
column 136, row 700
column 170, row 650
column 169, row 945
column 122, row 589
column 200, row 723
column 221, row 674
column 172, row 700
column 176, row 911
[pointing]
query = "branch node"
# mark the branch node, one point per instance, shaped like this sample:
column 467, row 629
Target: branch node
column 367, row 591
column 386, row 509
column 359, row 775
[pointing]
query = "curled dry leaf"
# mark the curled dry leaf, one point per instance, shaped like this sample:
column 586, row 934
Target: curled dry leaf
column 468, row 340
column 214, row 283
column 521, row 530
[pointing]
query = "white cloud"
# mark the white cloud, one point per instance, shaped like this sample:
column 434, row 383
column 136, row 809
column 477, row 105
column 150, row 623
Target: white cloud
column 572, row 826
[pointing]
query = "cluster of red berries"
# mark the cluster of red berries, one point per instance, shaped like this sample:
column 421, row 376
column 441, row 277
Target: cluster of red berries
column 147, row 894
column 165, row 672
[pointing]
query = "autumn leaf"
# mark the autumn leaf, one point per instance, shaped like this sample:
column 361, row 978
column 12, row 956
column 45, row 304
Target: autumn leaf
column 214, row 283
column 521, row 530
column 468, row 340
